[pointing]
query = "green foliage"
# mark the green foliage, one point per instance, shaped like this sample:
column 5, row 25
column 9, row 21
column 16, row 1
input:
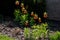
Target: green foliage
column 36, row 26
column 55, row 36
column 23, row 18
column 41, row 26
column 58, row 33
column 20, row 17
column 41, row 29
column 17, row 14
column 4, row 37
column 26, row 32
column 45, row 24
column 36, row 32
column 32, row 21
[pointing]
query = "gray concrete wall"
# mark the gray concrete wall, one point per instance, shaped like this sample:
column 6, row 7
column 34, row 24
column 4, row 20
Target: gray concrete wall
column 53, row 9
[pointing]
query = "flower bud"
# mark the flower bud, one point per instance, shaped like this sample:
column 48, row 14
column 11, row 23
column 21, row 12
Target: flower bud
column 26, row 23
column 32, row 13
column 39, row 20
column 22, row 4
column 25, row 11
column 35, row 16
column 45, row 15
column 17, row 3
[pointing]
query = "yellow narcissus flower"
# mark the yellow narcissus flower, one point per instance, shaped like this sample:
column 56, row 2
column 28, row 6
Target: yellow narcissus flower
column 39, row 20
column 26, row 23
column 17, row 3
column 45, row 15
column 35, row 16
column 32, row 13
column 22, row 4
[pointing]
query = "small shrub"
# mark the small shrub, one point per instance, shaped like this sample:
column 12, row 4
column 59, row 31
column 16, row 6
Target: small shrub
column 36, row 33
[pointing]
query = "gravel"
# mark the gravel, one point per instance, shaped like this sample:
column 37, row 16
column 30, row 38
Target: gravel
column 14, row 32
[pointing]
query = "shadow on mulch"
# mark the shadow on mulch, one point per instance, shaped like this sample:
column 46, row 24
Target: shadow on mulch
column 54, row 25
column 9, row 22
